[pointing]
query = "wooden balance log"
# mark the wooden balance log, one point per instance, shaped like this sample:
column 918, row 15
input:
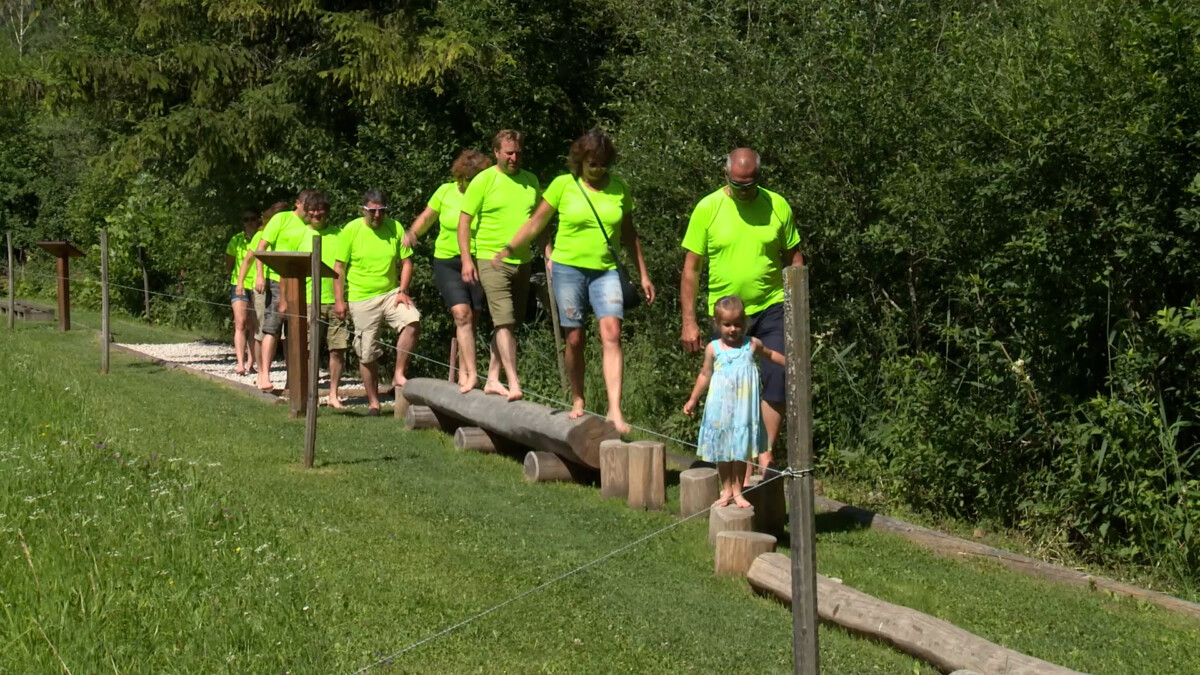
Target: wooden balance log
column 946, row 646
column 420, row 417
column 547, row 467
column 770, row 503
column 522, row 422
column 728, row 519
column 698, row 489
column 736, row 551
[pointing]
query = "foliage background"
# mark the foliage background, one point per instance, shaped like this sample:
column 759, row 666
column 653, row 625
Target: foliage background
column 999, row 201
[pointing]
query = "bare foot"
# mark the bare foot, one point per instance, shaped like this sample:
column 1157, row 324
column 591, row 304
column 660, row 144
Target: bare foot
column 399, row 381
column 724, row 499
column 576, row 410
column 466, row 384
column 515, row 393
column 335, row 402
column 741, row 501
column 264, row 382
column 619, row 423
column 239, row 371
column 493, row 387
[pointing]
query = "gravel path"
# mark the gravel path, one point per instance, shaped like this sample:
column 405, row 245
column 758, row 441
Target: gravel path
column 217, row 359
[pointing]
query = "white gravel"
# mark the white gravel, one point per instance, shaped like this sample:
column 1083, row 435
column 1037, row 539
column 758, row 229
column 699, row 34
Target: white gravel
column 218, row 359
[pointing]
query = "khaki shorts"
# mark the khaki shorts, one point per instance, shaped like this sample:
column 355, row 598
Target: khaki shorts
column 335, row 332
column 368, row 317
column 507, row 290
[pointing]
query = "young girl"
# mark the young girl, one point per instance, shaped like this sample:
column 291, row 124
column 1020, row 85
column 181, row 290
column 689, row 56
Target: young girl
column 732, row 430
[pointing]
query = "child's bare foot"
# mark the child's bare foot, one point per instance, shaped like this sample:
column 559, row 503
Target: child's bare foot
column 741, row 501
column 515, row 393
column 724, row 499
column 494, row 387
column 618, row 422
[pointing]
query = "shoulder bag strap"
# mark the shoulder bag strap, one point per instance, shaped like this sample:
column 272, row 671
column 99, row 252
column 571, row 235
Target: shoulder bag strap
column 599, row 223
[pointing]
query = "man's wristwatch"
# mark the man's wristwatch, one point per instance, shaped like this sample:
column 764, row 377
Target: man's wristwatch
column 404, row 291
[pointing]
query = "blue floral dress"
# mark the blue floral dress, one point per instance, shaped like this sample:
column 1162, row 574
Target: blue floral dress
column 732, row 428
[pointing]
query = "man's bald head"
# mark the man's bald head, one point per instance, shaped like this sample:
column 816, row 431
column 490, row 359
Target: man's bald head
column 741, row 172
column 743, row 160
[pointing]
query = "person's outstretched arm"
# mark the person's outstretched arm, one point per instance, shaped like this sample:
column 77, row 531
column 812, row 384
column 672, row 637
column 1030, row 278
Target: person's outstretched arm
column 766, row 353
column 420, row 226
column 528, row 231
column 702, row 381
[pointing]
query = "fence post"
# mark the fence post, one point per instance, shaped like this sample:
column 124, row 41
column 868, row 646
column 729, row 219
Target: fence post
column 800, row 461
column 314, row 356
column 558, row 338
column 104, row 308
column 145, row 281
column 12, row 298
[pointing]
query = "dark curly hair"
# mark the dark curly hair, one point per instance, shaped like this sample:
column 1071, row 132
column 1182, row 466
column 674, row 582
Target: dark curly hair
column 467, row 165
column 594, row 145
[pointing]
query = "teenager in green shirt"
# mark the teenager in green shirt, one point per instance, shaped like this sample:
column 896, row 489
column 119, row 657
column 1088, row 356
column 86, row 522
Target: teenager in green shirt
column 582, row 268
column 500, row 200
column 464, row 300
column 369, row 251
column 244, row 323
column 747, row 235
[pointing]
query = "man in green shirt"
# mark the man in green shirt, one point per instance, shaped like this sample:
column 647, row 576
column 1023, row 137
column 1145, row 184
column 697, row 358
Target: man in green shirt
column 747, row 235
column 501, row 199
column 282, row 233
column 335, row 330
column 369, row 251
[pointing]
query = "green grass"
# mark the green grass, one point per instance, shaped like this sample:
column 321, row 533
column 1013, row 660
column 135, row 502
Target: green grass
column 154, row 522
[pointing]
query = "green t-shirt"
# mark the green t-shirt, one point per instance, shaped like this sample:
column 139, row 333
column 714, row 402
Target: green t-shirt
column 500, row 204
column 284, row 233
column 370, row 256
column 238, row 248
column 744, row 243
column 446, row 202
column 329, row 249
column 579, row 242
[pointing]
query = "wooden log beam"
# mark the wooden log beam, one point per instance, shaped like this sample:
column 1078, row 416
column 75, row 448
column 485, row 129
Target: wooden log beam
column 547, row 467
column 523, row 422
column 939, row 642
column 698, row 489
column 728, row 518
column 962, row 549
column 419, row 417
column 614, row 469
column 736, row 551
column 473, row 438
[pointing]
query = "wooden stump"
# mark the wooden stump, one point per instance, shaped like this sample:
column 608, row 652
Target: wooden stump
column 473, row 438
column 728, row 518
column 547, row 467
column 420, row 417
column 698, row 489
column 944, row 645
column 647, row 475
column 614, row 469
column 736, row 551
column 400, row 410
column 770, row 504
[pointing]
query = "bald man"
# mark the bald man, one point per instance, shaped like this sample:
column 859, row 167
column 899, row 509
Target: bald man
column 747, row 236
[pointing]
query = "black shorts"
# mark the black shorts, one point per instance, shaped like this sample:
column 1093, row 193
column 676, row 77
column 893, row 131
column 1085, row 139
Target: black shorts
column 768, row 326
column 272, row 323
column 447, row 275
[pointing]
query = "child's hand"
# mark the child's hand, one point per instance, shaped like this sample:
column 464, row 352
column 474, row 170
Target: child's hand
column 689, row 408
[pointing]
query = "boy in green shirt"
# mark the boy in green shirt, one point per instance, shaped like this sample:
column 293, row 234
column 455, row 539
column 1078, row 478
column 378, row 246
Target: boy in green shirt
column 335, row 330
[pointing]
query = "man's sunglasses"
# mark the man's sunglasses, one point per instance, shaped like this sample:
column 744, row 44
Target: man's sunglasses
column 375, row 209
column 742, row 186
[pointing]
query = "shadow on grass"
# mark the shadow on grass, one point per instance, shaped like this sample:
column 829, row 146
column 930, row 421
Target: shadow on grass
column 361, row 460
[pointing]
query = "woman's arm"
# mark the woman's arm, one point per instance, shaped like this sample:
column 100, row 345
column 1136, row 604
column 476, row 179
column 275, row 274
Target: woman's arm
column 421, row 225
column 702, row 381
column 631, row 240
column 528, row 231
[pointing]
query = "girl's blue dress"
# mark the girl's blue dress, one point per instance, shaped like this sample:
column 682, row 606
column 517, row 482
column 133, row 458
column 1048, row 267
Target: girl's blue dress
column 732, row 428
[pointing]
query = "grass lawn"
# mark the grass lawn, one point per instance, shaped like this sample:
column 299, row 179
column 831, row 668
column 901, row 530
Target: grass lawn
column 154, row 522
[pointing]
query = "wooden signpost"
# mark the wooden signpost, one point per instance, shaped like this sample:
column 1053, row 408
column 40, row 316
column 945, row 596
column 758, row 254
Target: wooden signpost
column 105, row 334
column 12, row 297
column 293, row 269
column 63, row 251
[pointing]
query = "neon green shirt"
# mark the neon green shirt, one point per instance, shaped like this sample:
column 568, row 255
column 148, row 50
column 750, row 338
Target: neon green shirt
column 251, row 248
column 329, row 249
column 370, row 256
column 579, row 242
column 283, row 233
column 446, row 202
column 500, row 204
column 744, row 243
column 239, row 248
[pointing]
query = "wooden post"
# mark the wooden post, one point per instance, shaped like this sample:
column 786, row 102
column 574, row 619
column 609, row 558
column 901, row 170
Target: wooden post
column 614, row 469
column 314, row 356
column 770, row 504
column 802, row 524
column 558, row 338
column 12, row 298
column 453, row 369
column 473, row 438
column 63, row 252
column 104, row 308
column 146, row 280
column 547, row 467
column 736, row 551
column 420, row 417
column 647, row 475
column 698, row 489
column 726, row 518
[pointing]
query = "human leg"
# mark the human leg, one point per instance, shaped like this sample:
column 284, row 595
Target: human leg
column 570, row 292
column 239, row 335
column 604, row 294
column 464, row 302
column 337, row 338
column 507, row 288
column 492, row 385
column 506, row 348
column 464, row 332
column 404, row 320
column 728, row 479
column 769, row 326
column 739, row 470
column 272, row 326
column 573, row 358
column 368, row 317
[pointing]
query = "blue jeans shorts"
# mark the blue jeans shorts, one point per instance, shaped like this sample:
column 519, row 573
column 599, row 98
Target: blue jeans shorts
column 575, row 286
column 238, row 294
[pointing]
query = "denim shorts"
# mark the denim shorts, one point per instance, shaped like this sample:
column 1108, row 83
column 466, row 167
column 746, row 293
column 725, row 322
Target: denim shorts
column 575, row 286
column 236, row 296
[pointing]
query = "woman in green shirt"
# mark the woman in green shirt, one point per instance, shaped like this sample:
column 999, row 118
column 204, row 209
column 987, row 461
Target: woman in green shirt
column 581, row 262
column 244, row 323
column 465, row 301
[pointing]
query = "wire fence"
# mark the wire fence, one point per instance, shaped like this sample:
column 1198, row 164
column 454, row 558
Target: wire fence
column 770, row 476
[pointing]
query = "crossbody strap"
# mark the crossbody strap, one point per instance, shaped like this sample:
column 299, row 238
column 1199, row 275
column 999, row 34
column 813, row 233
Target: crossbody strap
column 599, row 223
